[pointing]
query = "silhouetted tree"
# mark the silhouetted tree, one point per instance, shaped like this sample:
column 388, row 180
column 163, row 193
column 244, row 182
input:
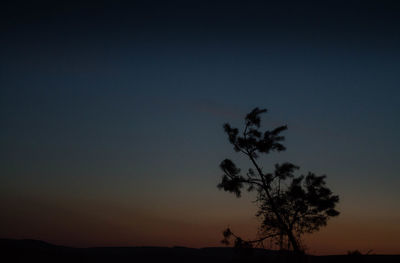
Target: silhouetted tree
column 288, row 205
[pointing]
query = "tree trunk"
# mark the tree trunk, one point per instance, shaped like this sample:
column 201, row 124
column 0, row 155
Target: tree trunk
column 293, row 242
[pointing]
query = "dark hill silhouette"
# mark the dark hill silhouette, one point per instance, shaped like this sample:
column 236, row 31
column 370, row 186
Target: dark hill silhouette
column 27, row 250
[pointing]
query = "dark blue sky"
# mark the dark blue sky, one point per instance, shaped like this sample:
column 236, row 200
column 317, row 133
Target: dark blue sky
column 123, row 103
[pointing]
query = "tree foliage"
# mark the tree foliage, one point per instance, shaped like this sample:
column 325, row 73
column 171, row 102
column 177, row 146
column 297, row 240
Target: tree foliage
column 289, row 205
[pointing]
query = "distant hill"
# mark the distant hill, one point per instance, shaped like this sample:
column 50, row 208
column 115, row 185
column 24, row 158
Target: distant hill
column 28, row 250
column 26, row 244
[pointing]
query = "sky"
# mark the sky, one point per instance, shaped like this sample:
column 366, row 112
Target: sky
column 111, row 117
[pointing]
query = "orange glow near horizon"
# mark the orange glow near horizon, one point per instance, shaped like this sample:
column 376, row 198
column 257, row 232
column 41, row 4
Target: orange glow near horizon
column 105, row 225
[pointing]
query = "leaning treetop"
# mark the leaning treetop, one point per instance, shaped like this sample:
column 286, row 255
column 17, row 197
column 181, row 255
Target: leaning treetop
column 288, row 205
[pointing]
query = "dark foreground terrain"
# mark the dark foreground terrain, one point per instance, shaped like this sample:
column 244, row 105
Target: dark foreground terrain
column 38, row 251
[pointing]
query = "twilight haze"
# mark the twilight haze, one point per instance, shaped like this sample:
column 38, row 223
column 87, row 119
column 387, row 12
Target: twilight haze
column 111, row 117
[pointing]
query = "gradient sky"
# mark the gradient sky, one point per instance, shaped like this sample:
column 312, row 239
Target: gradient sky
column 111, row 116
